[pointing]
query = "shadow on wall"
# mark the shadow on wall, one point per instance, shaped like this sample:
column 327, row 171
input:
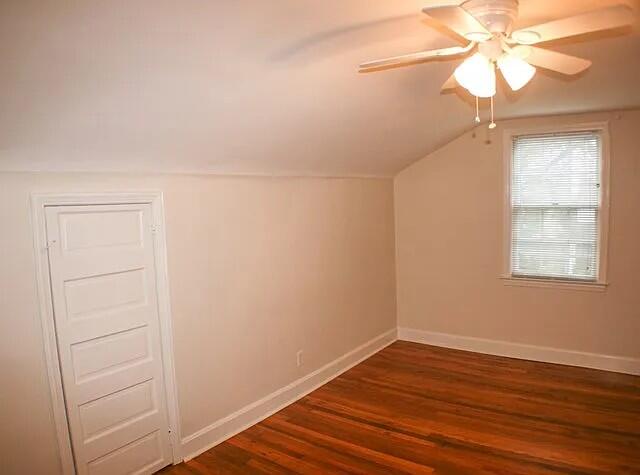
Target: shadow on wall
column 375, row 31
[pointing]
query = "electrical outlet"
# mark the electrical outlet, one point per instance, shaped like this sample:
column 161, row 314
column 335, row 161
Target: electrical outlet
column 299, row 358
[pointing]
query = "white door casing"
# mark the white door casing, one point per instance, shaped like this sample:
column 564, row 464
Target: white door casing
column 109, row 337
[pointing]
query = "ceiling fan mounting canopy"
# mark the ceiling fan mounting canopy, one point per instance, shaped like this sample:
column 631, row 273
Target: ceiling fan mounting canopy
column 497, row 16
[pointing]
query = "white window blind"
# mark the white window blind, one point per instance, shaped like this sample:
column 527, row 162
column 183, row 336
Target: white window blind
column 555, row 199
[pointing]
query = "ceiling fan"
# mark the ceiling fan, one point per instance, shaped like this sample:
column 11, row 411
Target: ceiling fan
column 487, row 26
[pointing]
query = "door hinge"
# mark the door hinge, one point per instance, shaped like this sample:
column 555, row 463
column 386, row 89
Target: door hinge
column 49, row 244
column 155, row 228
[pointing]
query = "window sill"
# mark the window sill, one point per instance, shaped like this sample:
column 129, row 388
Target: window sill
column 557, row 284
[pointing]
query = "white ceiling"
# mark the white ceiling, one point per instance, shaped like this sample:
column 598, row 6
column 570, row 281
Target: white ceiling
column 238, row 86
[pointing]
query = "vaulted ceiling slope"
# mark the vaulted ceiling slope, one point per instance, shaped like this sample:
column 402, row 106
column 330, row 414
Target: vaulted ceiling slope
column 257, row 87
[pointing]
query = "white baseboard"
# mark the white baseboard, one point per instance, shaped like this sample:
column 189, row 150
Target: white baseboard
column 222, row 429
column 618, row 364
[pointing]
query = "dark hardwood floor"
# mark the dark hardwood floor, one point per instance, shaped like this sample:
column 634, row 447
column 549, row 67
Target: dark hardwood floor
column 420, row 409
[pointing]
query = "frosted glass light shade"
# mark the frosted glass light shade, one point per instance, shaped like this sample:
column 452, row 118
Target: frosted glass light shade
column 477, row 75
column 516, row 71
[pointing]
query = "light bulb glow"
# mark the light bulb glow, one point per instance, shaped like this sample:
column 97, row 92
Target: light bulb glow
column 515, row 70
column 477, row 75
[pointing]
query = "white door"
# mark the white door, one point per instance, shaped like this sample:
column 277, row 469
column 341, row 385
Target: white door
column 103, row 284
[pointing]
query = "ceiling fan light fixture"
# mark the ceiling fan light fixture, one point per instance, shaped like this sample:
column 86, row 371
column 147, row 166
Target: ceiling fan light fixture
column 516, row 71
column 487, row 26
column 526, row 37
column 477, row 75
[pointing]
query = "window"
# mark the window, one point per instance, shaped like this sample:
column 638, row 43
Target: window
column 555, row 204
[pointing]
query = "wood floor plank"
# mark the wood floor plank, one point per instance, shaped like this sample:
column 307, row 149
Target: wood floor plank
column 415, row 408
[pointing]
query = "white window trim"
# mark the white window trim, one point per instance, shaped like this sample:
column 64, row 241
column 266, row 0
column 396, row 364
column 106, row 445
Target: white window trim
column 507, row 277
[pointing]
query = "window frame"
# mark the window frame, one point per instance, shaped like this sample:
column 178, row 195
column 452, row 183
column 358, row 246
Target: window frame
column 507, row 276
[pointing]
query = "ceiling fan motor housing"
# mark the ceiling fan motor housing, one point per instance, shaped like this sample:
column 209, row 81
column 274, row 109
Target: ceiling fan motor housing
column 496, row 15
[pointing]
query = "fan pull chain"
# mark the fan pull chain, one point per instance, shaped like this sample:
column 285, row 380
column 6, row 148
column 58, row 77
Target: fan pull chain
column 492, row 125
column 477, row 112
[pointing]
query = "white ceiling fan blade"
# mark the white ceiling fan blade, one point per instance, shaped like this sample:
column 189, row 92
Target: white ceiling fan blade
column 413, row 58
column 597, row 20
column 459, row 20
column 552, row 60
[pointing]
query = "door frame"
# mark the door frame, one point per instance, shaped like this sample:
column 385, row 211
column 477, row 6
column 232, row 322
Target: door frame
column 39, row 201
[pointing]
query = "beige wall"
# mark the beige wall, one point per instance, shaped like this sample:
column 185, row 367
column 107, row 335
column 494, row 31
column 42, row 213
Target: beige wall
column 449, row 209
column 262, row 267
column 259, row 268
